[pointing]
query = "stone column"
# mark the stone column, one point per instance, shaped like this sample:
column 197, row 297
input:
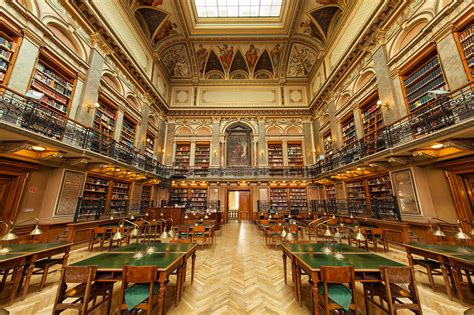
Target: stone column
column 142, row 129
column 261, row 145
column 192, row 153
column 453, row 67
column 358, row 123
column 317, row 139
column 284, row 147
column 307, row 145
column 25, row 63
column 160, row 139
column 215, row 145
column 395, row 108
column 90, row 92
column 334, row 126
column 254, row 151
column 168, row 147
column 118, row 125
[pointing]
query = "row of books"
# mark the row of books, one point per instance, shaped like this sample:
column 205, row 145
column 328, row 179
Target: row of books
column 433, row 63
column 53, row 75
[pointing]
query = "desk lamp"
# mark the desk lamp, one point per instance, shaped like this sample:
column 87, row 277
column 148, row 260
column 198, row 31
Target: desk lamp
column 438, row 232
column 360, row 236
column 460, row 235
column 466, row 220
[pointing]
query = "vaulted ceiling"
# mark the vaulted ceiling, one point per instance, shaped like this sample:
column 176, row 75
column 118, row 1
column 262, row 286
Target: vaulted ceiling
column 206, row 49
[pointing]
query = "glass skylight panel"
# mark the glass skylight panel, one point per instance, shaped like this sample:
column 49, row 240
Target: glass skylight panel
column 238, row 8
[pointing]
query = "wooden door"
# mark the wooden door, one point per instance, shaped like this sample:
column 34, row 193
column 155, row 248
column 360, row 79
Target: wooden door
column 244, row 205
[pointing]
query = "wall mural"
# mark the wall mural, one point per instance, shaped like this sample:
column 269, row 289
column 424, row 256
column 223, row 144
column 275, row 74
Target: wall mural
column 301, row 60
column 228, row 58
column 176, row 62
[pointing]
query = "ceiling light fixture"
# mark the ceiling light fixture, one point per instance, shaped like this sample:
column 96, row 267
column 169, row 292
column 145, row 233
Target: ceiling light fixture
column 437, row 146
column 38, row 148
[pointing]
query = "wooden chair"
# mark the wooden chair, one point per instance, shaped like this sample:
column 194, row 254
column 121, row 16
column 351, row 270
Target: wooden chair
column 432, row 267
column 398, row 291
column 183, row 231
column 378, row 236
column 84, row 291
column 198, row 234
column 141, row 278
column 273, row 236
column 181, row 241
column 337, row 276
column 352, row 238
column 42, row 266
column 293, row 229
column 100, row 236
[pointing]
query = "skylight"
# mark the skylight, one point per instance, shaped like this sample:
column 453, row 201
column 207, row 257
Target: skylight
column 237, row 8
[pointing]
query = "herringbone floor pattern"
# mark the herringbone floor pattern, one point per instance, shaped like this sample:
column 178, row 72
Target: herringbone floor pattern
column 239, row 274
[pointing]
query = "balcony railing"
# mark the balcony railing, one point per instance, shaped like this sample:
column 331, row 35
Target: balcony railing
column 33, row 116
column 30, row 115
column 438, row 114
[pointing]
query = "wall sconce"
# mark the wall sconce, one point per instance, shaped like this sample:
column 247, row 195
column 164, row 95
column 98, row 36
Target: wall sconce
column 262, row 152
column 214, row 152
column 382, row 104
column 92, row 106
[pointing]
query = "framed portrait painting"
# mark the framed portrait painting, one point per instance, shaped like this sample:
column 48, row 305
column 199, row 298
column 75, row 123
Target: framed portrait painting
column 405, row 192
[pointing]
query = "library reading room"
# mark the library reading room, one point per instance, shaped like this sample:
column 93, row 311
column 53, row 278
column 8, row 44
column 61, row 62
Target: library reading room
column 236, row 157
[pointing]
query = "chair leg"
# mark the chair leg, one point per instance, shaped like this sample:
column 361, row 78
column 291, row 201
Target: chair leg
column 366, row 300
column 430, row 277
column 43, row 277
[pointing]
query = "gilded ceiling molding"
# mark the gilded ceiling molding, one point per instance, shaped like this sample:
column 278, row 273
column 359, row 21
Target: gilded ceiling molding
column 359, row 48
column 84, row 9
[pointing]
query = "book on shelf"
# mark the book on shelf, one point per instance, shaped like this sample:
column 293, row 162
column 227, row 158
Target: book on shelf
column 419, row 82
column 275, row 154
column 466, row 37
column 348, row 131
column 127, row 136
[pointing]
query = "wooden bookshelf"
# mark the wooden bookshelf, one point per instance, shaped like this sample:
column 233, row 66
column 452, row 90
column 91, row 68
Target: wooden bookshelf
column 380, row 187
column 150, row 144
column 330, row 192
column 8, row 48
column 279, row 198
column 198, row 198
column 96, row 188
column 298, row 199
column 146, row 196
column 119, row 197
column 178, row 196
column 57, row 89
column 275, row 154
column 327, row 142
column 356, row 191
column 182, row 154
column 127, row 136
column 104, row 118
column 372, row 117
column 466, row 44
column 427, row 75
column 348, row 130
column 202, row 155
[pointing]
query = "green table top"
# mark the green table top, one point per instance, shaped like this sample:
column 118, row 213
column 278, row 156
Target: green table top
column 116, row 261
column 444, row 248
column 317, row 248
column 30, row 248
column 360, row 262
column 157, row 247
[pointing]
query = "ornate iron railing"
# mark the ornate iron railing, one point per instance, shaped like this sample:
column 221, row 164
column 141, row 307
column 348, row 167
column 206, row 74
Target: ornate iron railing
column 30, row 115
column 438, row 114
column 379, row 208
column 242, row 172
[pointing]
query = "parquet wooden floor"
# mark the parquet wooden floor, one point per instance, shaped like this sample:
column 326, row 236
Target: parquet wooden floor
column 238, row 275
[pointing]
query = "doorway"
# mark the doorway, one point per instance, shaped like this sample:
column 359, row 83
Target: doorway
column 239, row 205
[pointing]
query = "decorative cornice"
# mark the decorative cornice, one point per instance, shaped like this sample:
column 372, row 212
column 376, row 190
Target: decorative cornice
column 240, row 112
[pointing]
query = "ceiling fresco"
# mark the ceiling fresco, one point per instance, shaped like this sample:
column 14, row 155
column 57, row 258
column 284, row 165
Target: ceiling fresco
column 170, row 28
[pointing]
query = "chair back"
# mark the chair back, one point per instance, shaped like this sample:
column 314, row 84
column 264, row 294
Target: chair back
column 397, row 275
column 293, row 228
column 378, row 231
column 183, row 229
column 78, row 274
column 338, row 275
column 275, row 228
column 264, row 222
column 139, row 274
column 209, row 222
column 100, row 230
column 198, row 229
column 397, row 280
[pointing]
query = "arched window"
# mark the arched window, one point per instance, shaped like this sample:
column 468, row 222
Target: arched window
column 239, row 145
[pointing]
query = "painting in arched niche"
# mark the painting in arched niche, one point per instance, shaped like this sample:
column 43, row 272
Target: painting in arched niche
column 238, row 138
